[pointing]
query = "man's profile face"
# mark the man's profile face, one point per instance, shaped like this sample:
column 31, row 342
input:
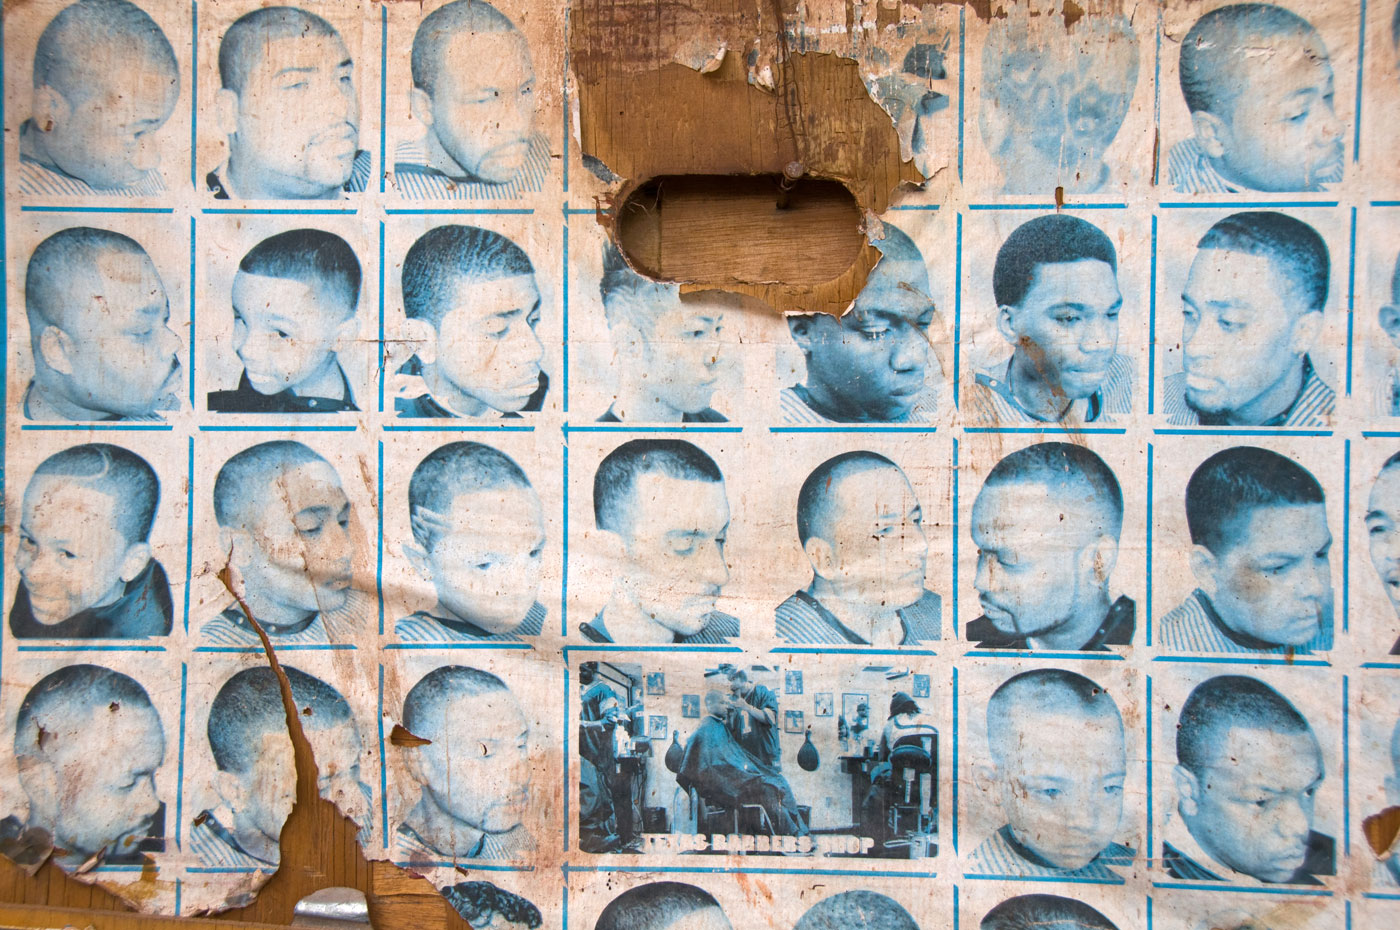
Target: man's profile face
column 337, row 750
column 1239, row 329
column 284, row 330
column 267, row 792
column 1383, row 532
column 478, row 767
column 1060, row 781
column 675, row 546
column 1253, row 806
column 486, row 568
column 1274, row 582
column 71, row 553
column 300, row 548
column 298, row 116
column 1067, row 325
column 681, row 350
column 874, row 525
column 486, row 342
column 483, row 103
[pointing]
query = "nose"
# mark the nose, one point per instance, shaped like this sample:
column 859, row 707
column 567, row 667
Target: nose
column 1293, row 822
column 983, row 581
column 1099, row 337
column 1316, row 585
column 715, row 569
column 526, row 348
column 910, row 352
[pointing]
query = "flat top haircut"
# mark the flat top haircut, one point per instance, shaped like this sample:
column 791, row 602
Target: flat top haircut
column 81, row 39
column 617, row 474
column 1293, row 248
column 249, row 705
column 458, row 468
column 1046, row 240
column 1044, row 912
column 244, row 478
column 814, row 496
column 67, row 255
column 314, row 257
column 1065, row 468
column 1230, row 485
column 653, row 906
column 423, row 707
column 620, row 281
column 901, row 255
column 69, row 691
column 121, row 474
column 480, row 902
column 1047, row 689
column 440, row 26
column 243, row 43
column 445, row 256
column 1220, row 41
column 1224, row 702
column 856, row 910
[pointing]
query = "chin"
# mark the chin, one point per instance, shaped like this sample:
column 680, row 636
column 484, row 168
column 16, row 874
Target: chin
column 332, row 598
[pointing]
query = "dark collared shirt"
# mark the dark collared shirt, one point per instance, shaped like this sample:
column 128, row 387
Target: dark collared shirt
column 1116, row 630
column 246, row 399
column 708, row 415
column 1321, row 859
column 143, row 609
column 423, row 406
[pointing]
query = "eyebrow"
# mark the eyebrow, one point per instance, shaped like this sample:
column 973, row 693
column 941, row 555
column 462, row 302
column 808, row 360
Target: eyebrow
column 1377, row 515
column 1077, row 305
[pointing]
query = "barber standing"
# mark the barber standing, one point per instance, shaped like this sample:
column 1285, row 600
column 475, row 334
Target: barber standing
column 752, row 718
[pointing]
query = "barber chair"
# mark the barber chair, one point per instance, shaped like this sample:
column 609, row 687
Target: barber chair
column 716, row 818
column 913, row 763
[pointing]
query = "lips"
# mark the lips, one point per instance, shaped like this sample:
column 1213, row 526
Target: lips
column 340, row 142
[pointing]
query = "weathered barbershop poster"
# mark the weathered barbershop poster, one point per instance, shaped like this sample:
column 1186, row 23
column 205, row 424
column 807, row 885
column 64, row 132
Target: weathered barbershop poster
column 1054, row 584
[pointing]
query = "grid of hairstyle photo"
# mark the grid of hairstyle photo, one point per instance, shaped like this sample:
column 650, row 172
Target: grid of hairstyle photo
column 1055, row 584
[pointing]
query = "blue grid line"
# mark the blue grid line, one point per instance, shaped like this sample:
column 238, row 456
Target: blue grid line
column 1048, row 428
column 1385, row 203
column 383, row 108
column 625, row 428
column 622, row 650
column 564, row 96
column 1037, row 654
column 383, row 344
column 459, row 211
column 273, row 211
column 956, row 634
column 75, row 209
column 476, row 865
column 1346, row 536
column 566, row 759
column 379, row 542
column 955, row 760
column 453, row 428
column 1351, row 296
column 92, row 427
column 853, row 429
column 1381, row 434
column 1346, row 765
column 180, row 765
column 277, row 428
column 1149, row 912
column 1147, row 732
column 1152, row 321
column 177, row 897
column 194, row 115
column 957, row 295
column 1246, row 204
column 829, row 651
column 578, row 211
column 1380, row 664
column 1150, row 617
column 1360, row 69
column 564, row 570
column 282, row 647
column 490, row 644
column 564, row 301
column 87, row 647
column 1220, row 431
column 1247, row 660
column 955, row 896
column 383, row 770
column 916, row 206
column 189, row 530
column 1047, row 206
column 191, row 342
column 1243, row 889
column 972, row 876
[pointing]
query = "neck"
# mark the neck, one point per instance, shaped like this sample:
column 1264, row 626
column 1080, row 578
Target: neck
column 242, row 183
column 638, row 403
column 256, row 843
column 830, row 401
column 272, row 615
column 1273, row 401
column 32, row 145
column 447, row 394
column 441, row 830
column 440, row 161
column 875, row 623
column 1076, row 631
column 325, row 381
column 48, row 402
column 628, row 622
column 1038, row 397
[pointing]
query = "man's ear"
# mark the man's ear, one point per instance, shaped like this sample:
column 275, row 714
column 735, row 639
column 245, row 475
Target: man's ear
column 1006, row 324
column 56, row 349
column 1306, row 329
column 418, row 557
column 1104, row 553
column 230, row 787
column 822, row 556
column 422, row 338
column 803, row 329
column 50, row 108
column 1389, row 316
column 986, row 778
column 1188, row 790
column 1211, row 133
column 420, row 104
column 346, row 332
column 39, row 779
column 138, row 556
column 1203, row 567
column 226, row 111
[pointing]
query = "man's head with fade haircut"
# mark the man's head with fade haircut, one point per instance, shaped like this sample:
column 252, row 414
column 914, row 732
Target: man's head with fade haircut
column 856, row 910
column 472, row 303
column 479, row 534
column 1046, row 525
column 1057, row 764
column 1044, row 912
column 288, row 104
column 98, row 329
column 663, row 505
column 861, row 525
column 284, row 519
column 663, row 905
column 481, row 904
column 1389, row 314
column 474, row 88
column 1260, row 545
column 88, row 743
column 1383, row 528
column 870, row 364
column 475, row 769
column 1248, row 771
column 105, row 81
column 85, row 528
column 1392, row 778
column 1266, row 122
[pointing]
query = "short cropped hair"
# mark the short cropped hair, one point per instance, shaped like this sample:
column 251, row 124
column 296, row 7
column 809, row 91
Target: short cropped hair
column 1395, row 275
column 856, row 910
column 900, row 256
column 119, row 473
column 423, row 707
column 653, row 906
column 1064, row 467
column 617, row 474
column 249, row 705
column 56, row 261
column 1230, row 485
column 1294, row 248
column 625, row 292
column 458, row 468
column 245, row 477
column 312, row 256
column 479, row 902
column 814, row 495
column 441, row 25
column 1047, row 687
column 1391, row 462
column 1221, row 39
column 69, row 690
column 84, row 36
column 246, row 40
column 446, row 255
column 1225, row 701
column 1044, row 912
column 1046, row 240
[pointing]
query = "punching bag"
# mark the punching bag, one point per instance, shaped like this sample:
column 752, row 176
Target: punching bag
column 674, row 753
column 807, row 756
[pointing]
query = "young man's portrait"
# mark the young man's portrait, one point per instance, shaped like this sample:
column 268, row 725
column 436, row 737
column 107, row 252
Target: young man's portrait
column 289, row 106
column 88, row 743
column 1252, row 312
column 478, row 539
column 861, row 527
column 1248, row 771
column 473, row 305
column 1031, row 911
column 663, row 515
column 663, row 906
column 1261, row 558
column 1383, row 537
column 85, row 563
column 1387, row 379
column 99, row 331
column 1259, row 122
column 474, row 93
column 1058, row 302
column 105, row 80
column 1046, row 525
column 856, row 910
